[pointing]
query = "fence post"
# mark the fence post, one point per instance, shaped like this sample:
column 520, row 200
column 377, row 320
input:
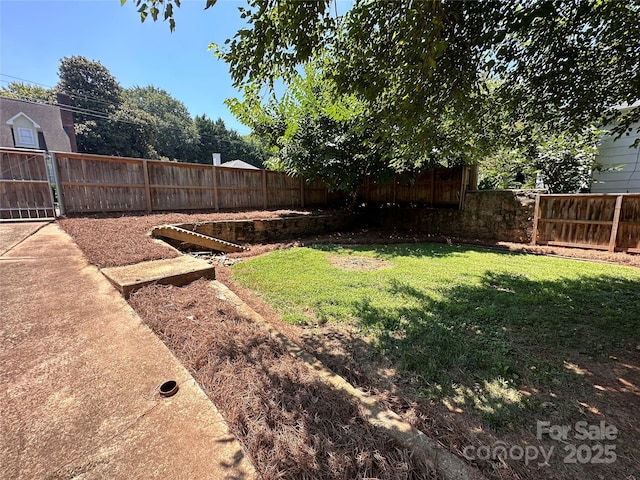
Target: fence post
column 301, row 192
column 56, row 180
column 215, row 188
column 395, row 189
column 616, row 222
column 463, row 187
column 147, row 188
column 536, row 215
column 265, row 198
column 433, row 186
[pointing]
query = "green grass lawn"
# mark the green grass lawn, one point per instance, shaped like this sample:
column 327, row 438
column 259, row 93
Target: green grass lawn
column 484, row 330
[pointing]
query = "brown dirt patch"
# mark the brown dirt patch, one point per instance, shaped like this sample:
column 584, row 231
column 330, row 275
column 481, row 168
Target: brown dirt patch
column 356, row 262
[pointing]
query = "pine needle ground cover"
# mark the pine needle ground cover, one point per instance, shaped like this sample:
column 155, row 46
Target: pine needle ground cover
column 508, row 338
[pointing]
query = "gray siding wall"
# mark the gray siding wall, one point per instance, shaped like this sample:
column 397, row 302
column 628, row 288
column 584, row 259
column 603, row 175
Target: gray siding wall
column 617, row 153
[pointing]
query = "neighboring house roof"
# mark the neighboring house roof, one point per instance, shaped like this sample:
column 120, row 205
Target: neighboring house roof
column 239, row 164
column 52, row 127
column 626, row 107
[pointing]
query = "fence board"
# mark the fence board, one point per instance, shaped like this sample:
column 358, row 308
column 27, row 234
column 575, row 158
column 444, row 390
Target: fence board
column 600, row 221
column 25, row 191
column 315, row 194
column 283, row 190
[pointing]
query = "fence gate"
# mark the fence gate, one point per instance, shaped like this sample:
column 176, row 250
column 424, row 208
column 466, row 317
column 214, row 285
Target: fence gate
column 25, row 191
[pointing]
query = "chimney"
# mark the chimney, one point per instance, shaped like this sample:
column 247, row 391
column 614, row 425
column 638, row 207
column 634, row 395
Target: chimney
column 67, row 119
column 216, row 159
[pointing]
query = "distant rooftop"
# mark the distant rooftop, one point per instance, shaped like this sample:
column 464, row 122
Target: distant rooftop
column 239, row 164
column 625, row 106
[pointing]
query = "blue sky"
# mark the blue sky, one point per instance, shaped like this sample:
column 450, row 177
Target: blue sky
column 35, row 35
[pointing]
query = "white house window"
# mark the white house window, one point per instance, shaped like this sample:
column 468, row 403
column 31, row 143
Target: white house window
column 26, row 138
column 25, row 131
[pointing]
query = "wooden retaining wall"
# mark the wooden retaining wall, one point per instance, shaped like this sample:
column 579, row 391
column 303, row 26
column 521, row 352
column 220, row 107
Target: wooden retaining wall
column 600, row 221
column 25, row 192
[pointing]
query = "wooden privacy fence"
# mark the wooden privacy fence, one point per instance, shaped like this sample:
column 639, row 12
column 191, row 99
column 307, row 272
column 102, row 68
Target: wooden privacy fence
column 438, row 187
column 25, row 192
column 97, row 183
column 600, row 221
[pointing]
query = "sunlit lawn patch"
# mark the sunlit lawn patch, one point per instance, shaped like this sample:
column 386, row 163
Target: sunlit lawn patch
column 477, row 326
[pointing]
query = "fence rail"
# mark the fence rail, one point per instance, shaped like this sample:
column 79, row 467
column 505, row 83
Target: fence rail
column 600, row 221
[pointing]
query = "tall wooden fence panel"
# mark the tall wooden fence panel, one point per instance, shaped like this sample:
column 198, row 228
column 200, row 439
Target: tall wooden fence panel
column 96, row 183
column 315, row 194
column 599, row 221
column 240, row 188
column 439, row 187
column 283, row 191
column 25, row 191
column 180, row 186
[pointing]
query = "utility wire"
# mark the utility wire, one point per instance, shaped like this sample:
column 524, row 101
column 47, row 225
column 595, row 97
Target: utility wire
column 81, row 111
column 86, row 111
column 76, row 95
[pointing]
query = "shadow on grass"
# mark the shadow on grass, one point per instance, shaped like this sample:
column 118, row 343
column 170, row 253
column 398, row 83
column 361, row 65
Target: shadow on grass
column 502, row 347
column 417, row 250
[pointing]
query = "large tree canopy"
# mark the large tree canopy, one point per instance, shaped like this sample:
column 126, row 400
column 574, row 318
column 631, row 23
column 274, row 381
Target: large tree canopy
column 176, row 137
column 104, row 123
column 314, row 132
column 137, row 122
column 561, row 61
column 32, row 93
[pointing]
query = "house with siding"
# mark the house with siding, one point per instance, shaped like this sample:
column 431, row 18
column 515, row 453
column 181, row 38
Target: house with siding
column 620, row 161
column 39, row 126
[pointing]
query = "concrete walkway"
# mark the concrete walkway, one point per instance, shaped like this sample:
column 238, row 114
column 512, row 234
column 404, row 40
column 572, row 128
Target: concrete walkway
column 80, row 376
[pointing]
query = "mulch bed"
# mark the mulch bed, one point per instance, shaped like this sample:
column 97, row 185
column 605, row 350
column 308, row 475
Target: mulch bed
column 290, row 422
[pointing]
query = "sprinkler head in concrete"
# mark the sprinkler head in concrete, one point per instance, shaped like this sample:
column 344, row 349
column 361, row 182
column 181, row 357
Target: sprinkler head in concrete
column 169, row 388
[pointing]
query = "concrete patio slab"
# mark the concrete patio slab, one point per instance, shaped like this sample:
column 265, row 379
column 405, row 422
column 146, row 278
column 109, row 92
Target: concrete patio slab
column 80, row 375
column 175, row 271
